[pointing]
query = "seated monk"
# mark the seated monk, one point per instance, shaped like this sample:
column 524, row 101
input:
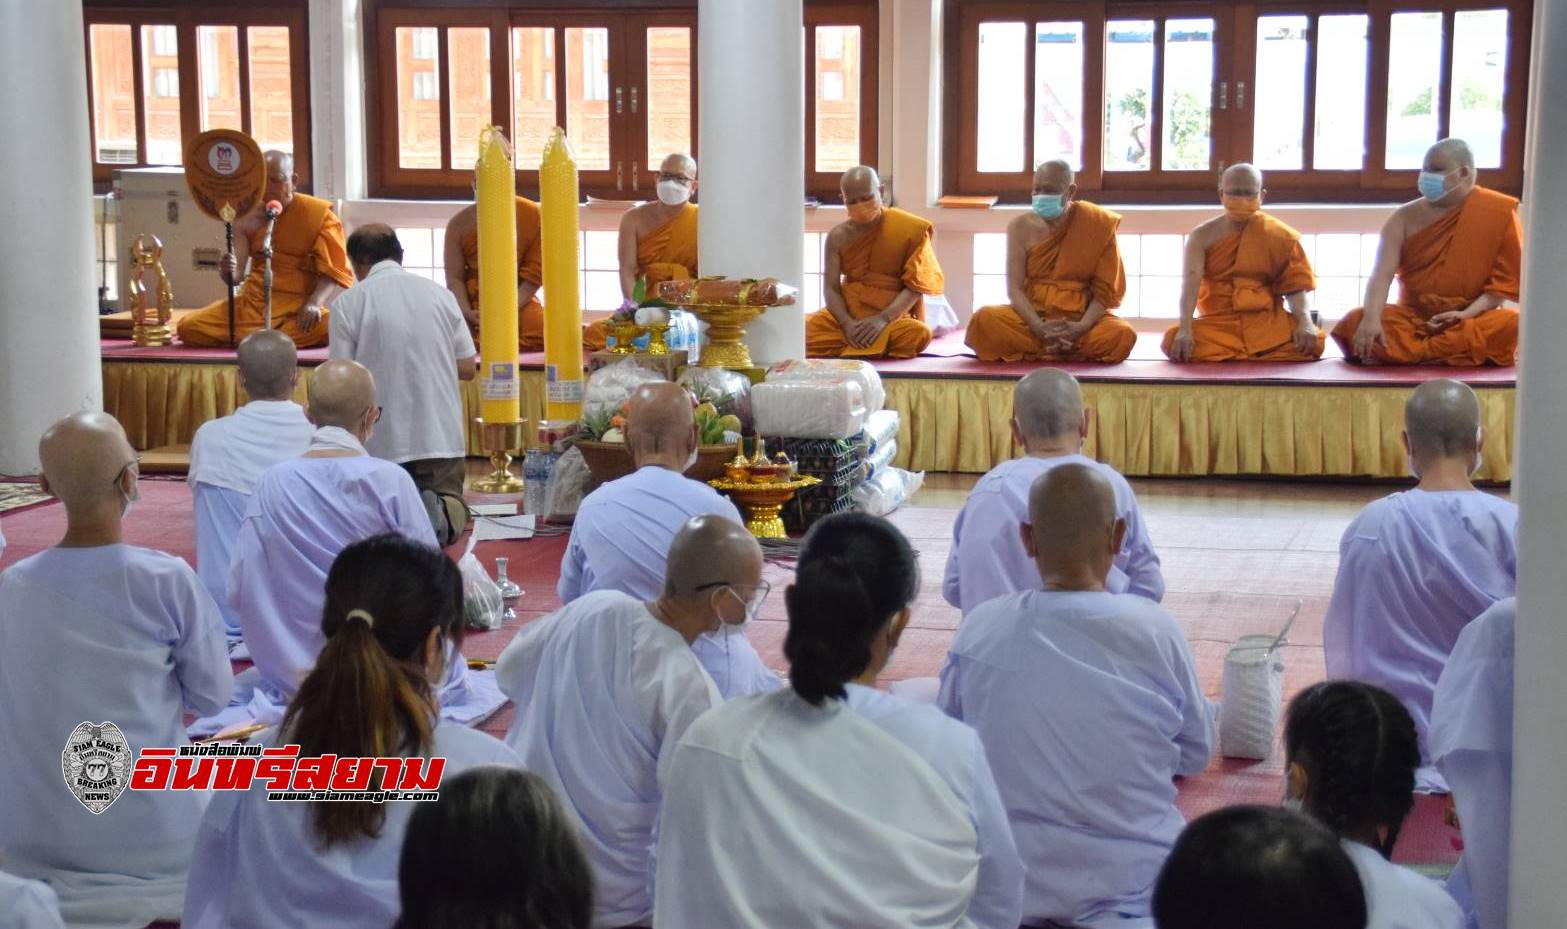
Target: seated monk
column 1457, row 252
column 462, row 271
column 309, row 268
column 879, row 265
column 657, row 241
column 1241, row 268
column 1064, row 275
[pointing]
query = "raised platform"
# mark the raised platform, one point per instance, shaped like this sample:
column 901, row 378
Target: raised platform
column 1150, row 417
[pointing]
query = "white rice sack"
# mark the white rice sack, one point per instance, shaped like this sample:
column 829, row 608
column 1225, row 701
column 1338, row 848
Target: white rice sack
column 880, row 428
column 808, row 409
column 611, row 385
column 881, row 459
column 887, row 491
column 833, row 369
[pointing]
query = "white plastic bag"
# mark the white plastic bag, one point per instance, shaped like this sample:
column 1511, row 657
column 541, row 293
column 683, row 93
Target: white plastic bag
column 808, row 409
column 881, row 459
column 611, row 385
column 568, row 481
column 833, row 369
column 482, row 604
column 881, row 427
column 887, row 491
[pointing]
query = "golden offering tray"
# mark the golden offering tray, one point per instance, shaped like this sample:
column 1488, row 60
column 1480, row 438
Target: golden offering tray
column 725, row 330
column 762, row 502
column 626, row 334
column 726, row 305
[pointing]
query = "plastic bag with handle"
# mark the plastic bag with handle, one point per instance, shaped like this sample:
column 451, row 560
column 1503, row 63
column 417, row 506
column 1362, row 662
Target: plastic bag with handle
column 483, row 607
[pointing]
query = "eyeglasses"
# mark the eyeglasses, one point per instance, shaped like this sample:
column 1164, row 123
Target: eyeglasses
column 678, row 178
column 133, row 463
column 752, row 603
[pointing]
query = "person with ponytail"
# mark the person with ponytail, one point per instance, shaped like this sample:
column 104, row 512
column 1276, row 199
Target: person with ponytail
column 391, row 606
column 497, row 851
column 1350, row 754
column 831, row 803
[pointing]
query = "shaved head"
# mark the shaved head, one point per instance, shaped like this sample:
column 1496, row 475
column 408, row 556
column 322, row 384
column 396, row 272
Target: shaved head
column 1072, row 521
column 660, row 426
column 1241, row 179
column 280, row 164
column 679, row 163
column 268, row 365
column 280, row 177
column 83, row 456
column 341, row 392
column 1053, row 176
column 859, row 181
column 710, row 550
column 1449, row 154
column 1442, row 420
column 1047, row 404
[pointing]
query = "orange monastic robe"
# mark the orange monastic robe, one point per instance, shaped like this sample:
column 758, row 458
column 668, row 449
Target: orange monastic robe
column 1240, row 305
column 667, row 253
column 1475, row 249
column 1078, row 263
column 877, row 266
column 530, row 268
column 307, row 244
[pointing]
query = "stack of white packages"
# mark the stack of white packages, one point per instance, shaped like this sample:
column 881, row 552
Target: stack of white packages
column 879, row 441
column 816, row 399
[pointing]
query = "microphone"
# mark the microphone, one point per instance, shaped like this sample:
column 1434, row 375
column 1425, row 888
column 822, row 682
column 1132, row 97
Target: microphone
column 273, row 209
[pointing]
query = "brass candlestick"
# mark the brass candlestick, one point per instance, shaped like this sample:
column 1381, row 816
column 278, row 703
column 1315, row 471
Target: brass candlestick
column 500, row 440
column 148, row 258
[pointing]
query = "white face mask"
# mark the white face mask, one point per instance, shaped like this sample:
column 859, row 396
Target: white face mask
column 1294, row 804
column 673, row 193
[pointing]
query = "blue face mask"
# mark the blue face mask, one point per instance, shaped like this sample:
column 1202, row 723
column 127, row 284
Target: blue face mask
column 1432, row 185
column 1049, row 206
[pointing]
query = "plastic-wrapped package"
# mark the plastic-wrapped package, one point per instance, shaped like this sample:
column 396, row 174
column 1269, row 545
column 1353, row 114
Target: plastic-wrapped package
column 881, row 427
column 722, row 291
column 808, row 409
column 482, row 604
column 728, row 391
column 568, row 482
column 833, row 369
column 881, row 459
column 611, row 385
column 887, row 491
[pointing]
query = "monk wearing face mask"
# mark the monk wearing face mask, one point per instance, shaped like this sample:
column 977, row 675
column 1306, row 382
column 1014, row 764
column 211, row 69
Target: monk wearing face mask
column 879, row 265
column 1064, row 276
column 1241, row 270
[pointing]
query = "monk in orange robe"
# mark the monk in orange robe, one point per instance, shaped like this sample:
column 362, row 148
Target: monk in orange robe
column 657, row 241
column 462, row 271
column 1064, row 275
column 879, row 265
column 1457, row 252
column 309, row 267
column 1241, row 269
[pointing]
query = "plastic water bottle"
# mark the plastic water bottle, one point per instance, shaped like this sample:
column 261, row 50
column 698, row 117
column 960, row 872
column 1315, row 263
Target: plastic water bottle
column 533, row 478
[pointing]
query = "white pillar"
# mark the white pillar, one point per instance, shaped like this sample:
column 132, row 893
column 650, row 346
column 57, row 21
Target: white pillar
column 337, row 105
column 750, row 61
column 49, row 361
column 1538, row 893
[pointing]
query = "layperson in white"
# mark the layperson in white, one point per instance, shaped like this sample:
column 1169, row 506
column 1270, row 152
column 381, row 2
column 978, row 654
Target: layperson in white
column 987, row 558
column 607, row 685
column 832, row 803
column 93, row 630
column 1350, row 754
column 1472, row 745
column 392, row 605
column 26, row 904
column 302, row 514
column 409, row 332
column 1088, row 704
column 228, row 454
column 623, row 529
column 1415, row 567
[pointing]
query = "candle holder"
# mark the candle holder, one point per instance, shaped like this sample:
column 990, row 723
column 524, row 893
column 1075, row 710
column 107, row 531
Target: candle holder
column 500, row 440
column 150, row 326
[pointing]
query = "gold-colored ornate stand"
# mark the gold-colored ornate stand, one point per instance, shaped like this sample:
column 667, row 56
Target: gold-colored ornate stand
column 762, row 502
column 500, row 440
column 150, row 325
column 725, row 329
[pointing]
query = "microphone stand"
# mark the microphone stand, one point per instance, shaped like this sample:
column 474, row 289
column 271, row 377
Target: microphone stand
column 266, row 269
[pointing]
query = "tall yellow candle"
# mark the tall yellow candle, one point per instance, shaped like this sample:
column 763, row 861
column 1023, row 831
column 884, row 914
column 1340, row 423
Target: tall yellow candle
column 562, row 281
column 496, row 197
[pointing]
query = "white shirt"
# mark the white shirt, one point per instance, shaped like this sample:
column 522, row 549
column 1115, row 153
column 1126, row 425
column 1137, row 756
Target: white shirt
column 26, row 904
column 227, row 457
column 1088, row 704
column 620, row 541
column 112, row 633
column 259, row 863
column 409, row 332
column 777, row 813
column 1398, row 898
column 603, row 688
column 987, row 558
